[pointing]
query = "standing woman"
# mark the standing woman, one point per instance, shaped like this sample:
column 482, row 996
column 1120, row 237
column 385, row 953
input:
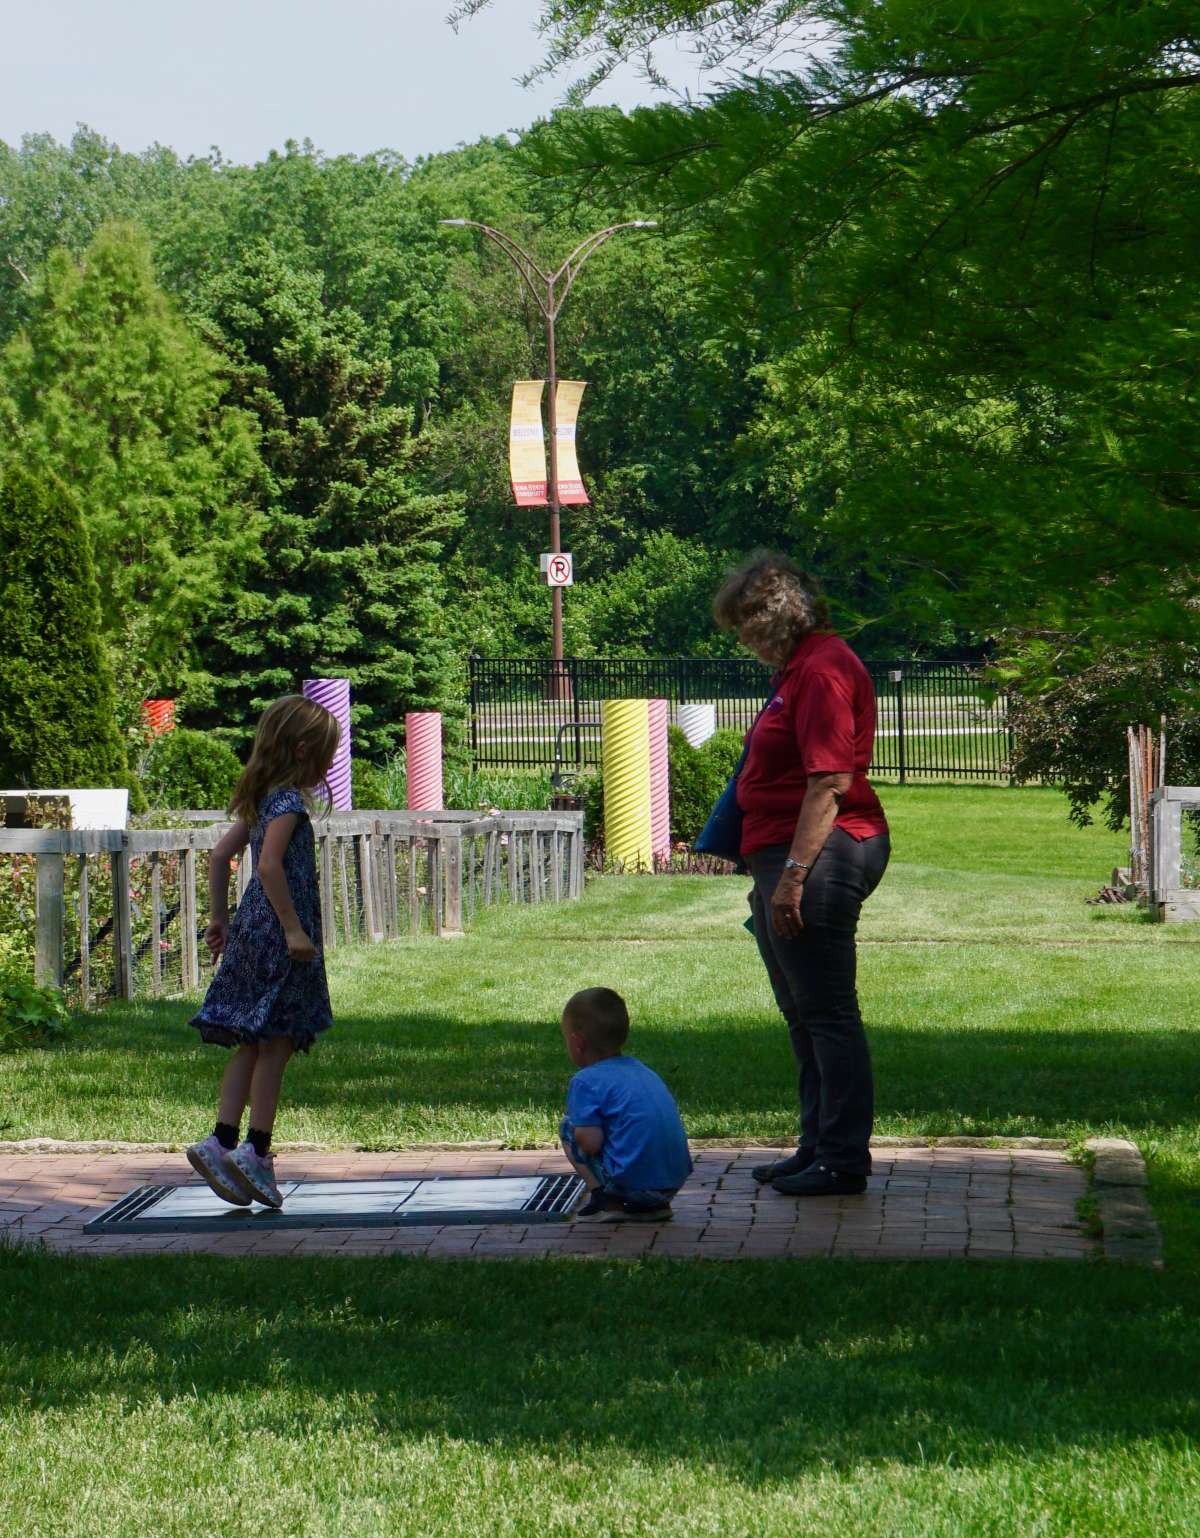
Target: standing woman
column 816, row 842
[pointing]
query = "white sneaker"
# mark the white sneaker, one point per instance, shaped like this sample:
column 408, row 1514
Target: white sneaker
column 255, row 1175
column 209, row 1160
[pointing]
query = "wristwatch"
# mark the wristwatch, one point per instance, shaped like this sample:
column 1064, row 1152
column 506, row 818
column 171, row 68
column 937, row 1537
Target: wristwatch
column 790, row 864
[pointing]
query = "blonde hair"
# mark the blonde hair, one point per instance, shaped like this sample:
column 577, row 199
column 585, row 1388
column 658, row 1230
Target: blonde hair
column 296, row 738
column 600, row 1017
column 774, row 599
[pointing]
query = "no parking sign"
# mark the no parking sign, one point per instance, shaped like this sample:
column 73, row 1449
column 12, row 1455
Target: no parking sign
column 558, row 568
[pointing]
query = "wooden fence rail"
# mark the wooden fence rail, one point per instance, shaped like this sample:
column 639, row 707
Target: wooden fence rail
column 132, row 906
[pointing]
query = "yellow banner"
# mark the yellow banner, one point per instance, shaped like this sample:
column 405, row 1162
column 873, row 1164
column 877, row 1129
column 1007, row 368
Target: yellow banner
column 526, row 444
column 566, row 414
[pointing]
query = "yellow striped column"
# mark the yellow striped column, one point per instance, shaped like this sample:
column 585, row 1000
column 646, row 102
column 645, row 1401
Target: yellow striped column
column 625, row 755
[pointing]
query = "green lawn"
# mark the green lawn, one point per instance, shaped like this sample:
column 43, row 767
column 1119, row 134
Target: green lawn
column 184, row 1396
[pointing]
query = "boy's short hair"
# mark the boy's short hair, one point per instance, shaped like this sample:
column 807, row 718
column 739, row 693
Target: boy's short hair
column 600, row 1017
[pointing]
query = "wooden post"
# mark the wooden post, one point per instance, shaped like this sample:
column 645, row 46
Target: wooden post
column 155, row 924
column 452, row 865
column 187, row 912
column 48, row 955
column 577, row 858
column 393, row 895
column 122, row 920
column 328, row 917
column 85, row 924
column 489, row 864
column 414, row 897
column 435, row 882
column 344, row 884
column 514, row 866
column 536, row 873
column 556, row 888
column 366, row 884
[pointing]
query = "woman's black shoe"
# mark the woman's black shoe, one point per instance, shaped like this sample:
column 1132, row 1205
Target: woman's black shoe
column 820, row 1180
column 794, row 1164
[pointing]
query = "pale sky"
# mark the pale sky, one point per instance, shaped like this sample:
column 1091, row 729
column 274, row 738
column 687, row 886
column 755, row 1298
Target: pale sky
column 245, row 75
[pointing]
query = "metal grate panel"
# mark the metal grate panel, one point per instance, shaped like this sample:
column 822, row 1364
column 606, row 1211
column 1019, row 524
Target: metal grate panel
column 194, row 1209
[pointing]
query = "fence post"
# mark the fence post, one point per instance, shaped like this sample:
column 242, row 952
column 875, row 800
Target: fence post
column 514, row 865
column 344, row 886
column 51, row 884
column 452, row 866
column 187, row 913
column 473, row 693
column 897, row 677
column 85, row 926
column 434, row 881
column 366, row 882
column 122, row 920
column 328, row 912
column 155, row 925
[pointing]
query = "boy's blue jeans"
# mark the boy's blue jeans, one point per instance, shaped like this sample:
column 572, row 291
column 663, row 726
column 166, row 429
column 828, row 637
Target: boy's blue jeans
column 605, row 1180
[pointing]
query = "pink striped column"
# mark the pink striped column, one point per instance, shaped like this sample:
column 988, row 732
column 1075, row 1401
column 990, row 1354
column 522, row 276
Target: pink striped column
column 334, row 694
column 423, row 755
column 660, row 780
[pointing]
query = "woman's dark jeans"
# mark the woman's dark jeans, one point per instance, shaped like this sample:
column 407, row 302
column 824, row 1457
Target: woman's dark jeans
column 813, row 979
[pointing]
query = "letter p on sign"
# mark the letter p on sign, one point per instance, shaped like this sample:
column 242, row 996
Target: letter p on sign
column 558, row 569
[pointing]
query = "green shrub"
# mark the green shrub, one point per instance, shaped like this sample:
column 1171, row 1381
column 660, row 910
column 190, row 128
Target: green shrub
column 57, row 701
column 591, row 789
column 187, row 770
column 698, row 777
column 370, row 786
column 30, row 1016
column 464, row 788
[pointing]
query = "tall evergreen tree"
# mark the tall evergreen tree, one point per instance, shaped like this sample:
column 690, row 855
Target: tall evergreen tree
column 108, row 388
column 57, row 702
column 346, row 582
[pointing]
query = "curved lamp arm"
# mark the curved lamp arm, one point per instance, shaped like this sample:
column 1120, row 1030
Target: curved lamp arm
column 547, row 296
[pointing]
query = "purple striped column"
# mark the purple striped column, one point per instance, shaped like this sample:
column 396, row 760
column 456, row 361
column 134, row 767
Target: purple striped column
column 334, row 694
column 660, row 781
column 423, row 757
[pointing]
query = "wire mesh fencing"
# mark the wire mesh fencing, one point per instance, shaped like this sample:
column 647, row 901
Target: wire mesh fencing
column 106, row 915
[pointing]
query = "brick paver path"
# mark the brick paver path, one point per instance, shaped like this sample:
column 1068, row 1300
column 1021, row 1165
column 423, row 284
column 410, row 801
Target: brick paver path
column 978, row 1203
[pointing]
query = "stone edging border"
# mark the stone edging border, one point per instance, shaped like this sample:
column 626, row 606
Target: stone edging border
column 1130, row 1233
column 50, row 1145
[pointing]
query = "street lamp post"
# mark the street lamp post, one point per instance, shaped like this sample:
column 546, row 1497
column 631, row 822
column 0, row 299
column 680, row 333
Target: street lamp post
column 549, row 291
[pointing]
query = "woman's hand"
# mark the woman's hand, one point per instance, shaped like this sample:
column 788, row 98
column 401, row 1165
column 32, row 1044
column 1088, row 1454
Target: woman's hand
column 785, row 904
column 215, row 936
column 300, row 947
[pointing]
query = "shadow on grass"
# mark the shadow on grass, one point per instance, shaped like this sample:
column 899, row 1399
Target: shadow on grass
column 939, row 1079
column 764, row 1369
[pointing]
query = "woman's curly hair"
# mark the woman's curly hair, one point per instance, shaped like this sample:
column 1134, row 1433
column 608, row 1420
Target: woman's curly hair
column 770, row 597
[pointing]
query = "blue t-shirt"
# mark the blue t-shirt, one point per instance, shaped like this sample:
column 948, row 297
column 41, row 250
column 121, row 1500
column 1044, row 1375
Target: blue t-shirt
column 645, row 1146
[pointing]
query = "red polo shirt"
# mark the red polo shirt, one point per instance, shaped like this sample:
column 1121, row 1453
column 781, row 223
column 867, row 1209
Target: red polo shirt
column 820, row 720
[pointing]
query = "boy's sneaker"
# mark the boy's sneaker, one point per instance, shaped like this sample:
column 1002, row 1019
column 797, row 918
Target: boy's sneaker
column 598, row 1206
column 209, row 1160
column 642, row 1209
column 255, row 1175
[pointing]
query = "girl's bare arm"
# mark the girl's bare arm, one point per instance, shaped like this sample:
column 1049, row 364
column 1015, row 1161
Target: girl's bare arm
column 233, row 842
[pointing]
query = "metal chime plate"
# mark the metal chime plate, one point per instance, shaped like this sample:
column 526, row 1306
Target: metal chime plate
column 194, row 1209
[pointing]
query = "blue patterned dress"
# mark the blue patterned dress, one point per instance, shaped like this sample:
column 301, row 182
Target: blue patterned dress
column 258, row 991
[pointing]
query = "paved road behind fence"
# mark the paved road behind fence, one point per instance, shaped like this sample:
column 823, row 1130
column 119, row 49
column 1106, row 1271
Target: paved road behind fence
column 937, row 720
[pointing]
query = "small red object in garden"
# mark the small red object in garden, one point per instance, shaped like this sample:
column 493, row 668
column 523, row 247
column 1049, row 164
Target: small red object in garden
column 159, row 716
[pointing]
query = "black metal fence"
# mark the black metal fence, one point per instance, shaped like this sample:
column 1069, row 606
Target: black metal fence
column 936, row 720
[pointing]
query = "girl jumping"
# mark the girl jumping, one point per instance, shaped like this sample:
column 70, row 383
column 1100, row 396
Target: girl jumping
column 269, row 997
